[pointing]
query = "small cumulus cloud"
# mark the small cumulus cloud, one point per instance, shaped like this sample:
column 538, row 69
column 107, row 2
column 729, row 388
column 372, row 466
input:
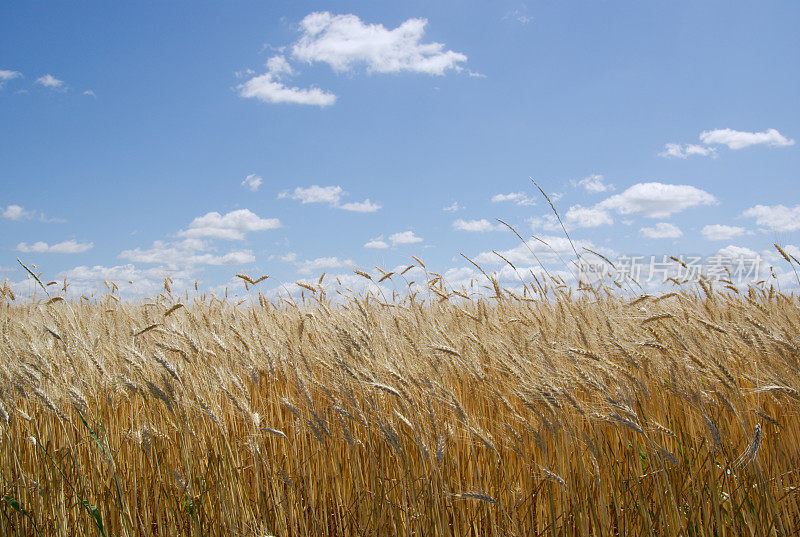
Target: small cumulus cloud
column 277, row 65
column 775, row 217
column 7, row 74
column 594, row 183
column 731, row 138
column 518, row 198
column 16, row 212
column 252, row 182
column 323, row 263
column 519, row 15
column 377, row 243
column 331, row 196
column 132, row 281
column 547, row 222
column 662, row 230
column 720, row 232
column 740, row 139
column 684, row 151
column 579, row 216
column 314, row 194
column 309, row 266
column 657, row 200
column 547, row 248
column 344, row 42
column 365, row 206
column 49, row 81
column 231, row 226
column 185, row 254
column 66, row 247
column 404, row 237
column 269, row 87
column 481, row 225
column 652, row 200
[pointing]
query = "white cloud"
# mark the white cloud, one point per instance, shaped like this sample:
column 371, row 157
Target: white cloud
column 460, row 277
column 309, row 266
column 556, row 245
column 377, row 243
column 120, row 272
column 519, row 198
column 547, row 222
column 404, row 237
column 365, row 206
column 720, row 232
column 277, row 65
column 231, row 226
column 741, row 139
column 49, row 81
column 594, row 183
column 733, row 251
column 453, row 207
column 6, row 75
column 777, row 260
column 673, row 150
column 186, row 254
column 90, row 277
column 579, row 216
column 477, row 225
column 654, row 200
column 270, row 89
column 315, row 194
column 657, row 200
column 146, row 282
column 252, row 182
column 775, row 217
column 344, row 42
column 474, row 282
column 50, row 220
column 265, row 88
column 662, row 230
column 66, row 247
column 238, row 257
column 245, row 72
column 90, row 93
column 320, row 263
column 183, row 258
column 519, row 15
column 745, row 262
column 180, row 260
column 16, row 212
column 332, row 195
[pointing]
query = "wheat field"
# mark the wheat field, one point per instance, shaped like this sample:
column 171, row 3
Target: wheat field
column 549, row 411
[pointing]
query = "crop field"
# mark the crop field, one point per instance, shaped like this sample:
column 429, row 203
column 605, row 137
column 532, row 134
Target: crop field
column 551, row 411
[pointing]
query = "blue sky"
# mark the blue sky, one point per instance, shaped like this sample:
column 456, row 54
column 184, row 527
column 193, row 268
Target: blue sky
column 285, row 138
